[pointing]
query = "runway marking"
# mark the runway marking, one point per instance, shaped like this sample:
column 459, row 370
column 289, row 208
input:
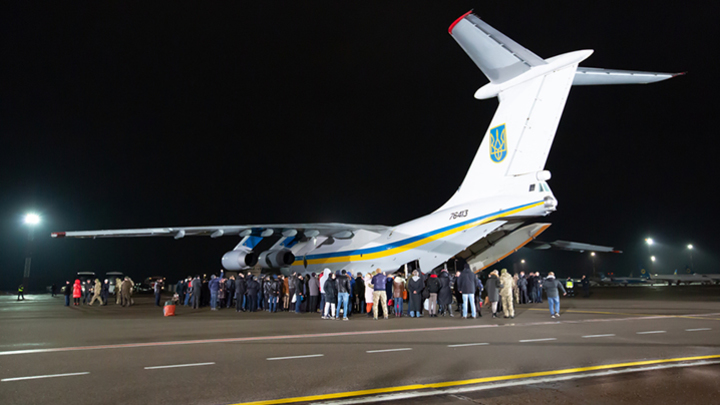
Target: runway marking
column 650, row 332
column 334, row 334
column 597, row 336
column 568, row 373
column 536, row 340
column 688, row 316
column 388, row 350
column 697, row 330
column 179, row 365
column 469, row 344
column 295, row 357
column 35, row 377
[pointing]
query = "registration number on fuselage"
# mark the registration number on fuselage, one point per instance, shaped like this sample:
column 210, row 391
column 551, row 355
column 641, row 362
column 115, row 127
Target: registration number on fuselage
column 458, row 214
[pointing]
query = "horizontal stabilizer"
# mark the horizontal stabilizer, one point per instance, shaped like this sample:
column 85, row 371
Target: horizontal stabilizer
column 499, row 57
column 585, row 76
column 571, row 246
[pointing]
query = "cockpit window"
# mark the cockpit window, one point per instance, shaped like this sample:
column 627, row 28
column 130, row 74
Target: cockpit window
column 532, row 187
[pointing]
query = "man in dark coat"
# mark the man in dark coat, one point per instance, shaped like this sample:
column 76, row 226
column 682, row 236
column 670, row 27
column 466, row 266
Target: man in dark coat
column 415, row 289
column 240, row 290
column 531, row 283
column 196, row 291
column 314, row 292
column 253, row 288
column 359, row 294
column 466, row 283
column 522, row 286
column 299, row 284
column 445, row 294
column 433, row 287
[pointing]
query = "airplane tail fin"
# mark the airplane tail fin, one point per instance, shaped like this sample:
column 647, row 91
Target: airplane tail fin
column 532, row 93
column 644, row 274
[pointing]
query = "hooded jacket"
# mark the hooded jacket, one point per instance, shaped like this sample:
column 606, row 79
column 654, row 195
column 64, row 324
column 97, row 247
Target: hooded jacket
column 323, row 278
column 467, row 281
column 331, row 290
column 445, row 293
column 433, row 284
column 368, row 289
column 551, row 286
column 77, row 289
column 507, row 284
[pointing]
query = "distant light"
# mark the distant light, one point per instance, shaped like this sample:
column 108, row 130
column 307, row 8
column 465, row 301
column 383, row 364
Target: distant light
column 522, row 261
column 652, row 258
column 649, row 241
column 592, row 253
column 690, row 247
column 32, row 219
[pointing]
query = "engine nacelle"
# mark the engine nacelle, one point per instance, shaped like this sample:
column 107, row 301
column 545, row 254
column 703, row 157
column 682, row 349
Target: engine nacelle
column 274, row 259
column 239, row 259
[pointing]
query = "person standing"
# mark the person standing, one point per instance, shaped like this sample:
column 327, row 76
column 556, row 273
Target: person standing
column 331, row 289
column 157, row 289
column 299, row 292
column 343, row 288
column 196, row 292
column 180, row 290
column 230, row 288
column 105, row 294
column 551, row 286
column 516, row 289
column 53, row 289
column 433, row 286
column 21, row 292
column 252, row 291
column 285, row 293
column 67, row 292
column 359, row 292
column 493, row 287
column 456, row 291
column 466, row 283
column 97, row 288
column 369, row 291
column 240, row 289
column 585, row 283
column 125, row 289
column 379, row 282
column 118, row 294
column 506, row 292
column 314, row 293
column 415, row 290
column 398, row 295
column 323, row 278
column 214, row 286
column 77, row 292
column 538, row 287
column 478, row 292
column 445, row 295
column 522, row 287
column 531, row 284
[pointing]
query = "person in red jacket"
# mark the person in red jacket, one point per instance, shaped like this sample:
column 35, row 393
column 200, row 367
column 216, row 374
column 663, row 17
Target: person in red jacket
column 77, row 292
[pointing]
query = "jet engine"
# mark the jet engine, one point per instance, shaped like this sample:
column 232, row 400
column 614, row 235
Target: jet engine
column 239, row 259
column 274, row 259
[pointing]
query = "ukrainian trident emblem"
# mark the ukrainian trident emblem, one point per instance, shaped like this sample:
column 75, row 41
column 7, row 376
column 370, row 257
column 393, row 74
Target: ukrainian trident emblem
column 498, row 143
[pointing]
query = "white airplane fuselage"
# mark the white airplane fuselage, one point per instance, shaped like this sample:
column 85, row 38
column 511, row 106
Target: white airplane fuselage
column 431, row 239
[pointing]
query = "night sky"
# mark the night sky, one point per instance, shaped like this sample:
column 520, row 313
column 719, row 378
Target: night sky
column 133, row 115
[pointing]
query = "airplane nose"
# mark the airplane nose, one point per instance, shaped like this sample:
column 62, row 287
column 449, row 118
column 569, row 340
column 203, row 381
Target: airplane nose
column 550, row 203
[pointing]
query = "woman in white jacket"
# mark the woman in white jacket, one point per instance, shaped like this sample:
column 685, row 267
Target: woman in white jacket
column 368, row 294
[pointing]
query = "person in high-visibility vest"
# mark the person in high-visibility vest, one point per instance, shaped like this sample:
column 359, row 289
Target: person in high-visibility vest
column 569, row 287
column 21, row 289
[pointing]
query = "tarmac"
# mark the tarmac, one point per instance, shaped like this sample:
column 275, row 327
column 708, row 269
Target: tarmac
column 622, row 345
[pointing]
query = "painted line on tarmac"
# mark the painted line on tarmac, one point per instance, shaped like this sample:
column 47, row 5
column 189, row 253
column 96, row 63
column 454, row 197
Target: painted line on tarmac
column 687, row 316
column 697, row 329
column 295, row 357
column 650, row 332
column 469, row 344
column 597, row 336
column 413, row 391
column 179, row 365
column 35, row 377
column 324, row 335
column 537, row 340
column 388, row 350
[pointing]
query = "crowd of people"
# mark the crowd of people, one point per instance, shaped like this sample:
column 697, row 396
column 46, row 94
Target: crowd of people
column 338, row 295
column 89, row 291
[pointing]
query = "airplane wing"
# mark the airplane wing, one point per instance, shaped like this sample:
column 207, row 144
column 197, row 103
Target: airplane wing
column 587, row 76
column 570, row 246
column 335, row 230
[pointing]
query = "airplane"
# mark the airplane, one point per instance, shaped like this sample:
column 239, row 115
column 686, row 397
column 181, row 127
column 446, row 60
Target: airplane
column 688, row 278
column 504, row 191
column 625, row 281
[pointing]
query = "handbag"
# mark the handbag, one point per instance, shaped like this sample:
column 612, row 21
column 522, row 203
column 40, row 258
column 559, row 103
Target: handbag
column 425, row 293
column 405, row 294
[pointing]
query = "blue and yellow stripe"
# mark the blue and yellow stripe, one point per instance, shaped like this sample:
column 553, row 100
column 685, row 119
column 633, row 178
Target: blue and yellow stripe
column 404, row 245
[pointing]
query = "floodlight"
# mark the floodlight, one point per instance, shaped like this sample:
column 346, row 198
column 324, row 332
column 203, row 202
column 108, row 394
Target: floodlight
column 32, row 219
